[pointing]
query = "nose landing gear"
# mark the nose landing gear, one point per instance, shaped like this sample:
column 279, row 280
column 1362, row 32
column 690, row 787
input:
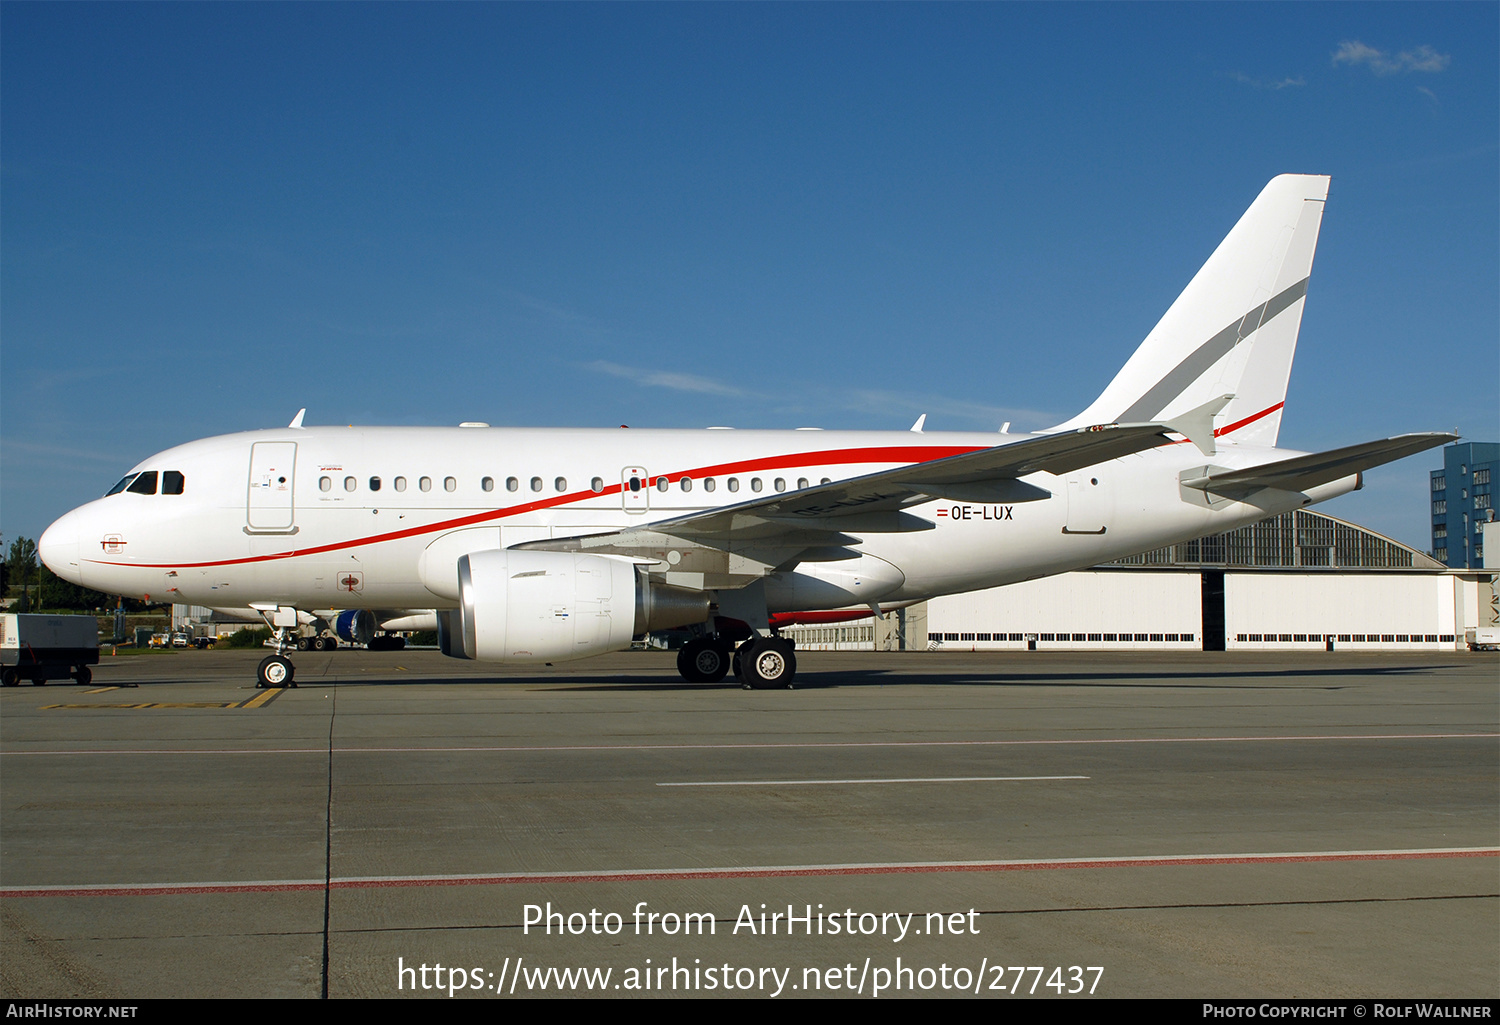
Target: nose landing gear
column 275, row 671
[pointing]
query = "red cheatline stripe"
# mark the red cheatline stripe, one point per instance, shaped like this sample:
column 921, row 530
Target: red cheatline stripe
column 538, row 749
column 1230, row 428
column 756, row 872
column 899, row 454
column 1248, row 420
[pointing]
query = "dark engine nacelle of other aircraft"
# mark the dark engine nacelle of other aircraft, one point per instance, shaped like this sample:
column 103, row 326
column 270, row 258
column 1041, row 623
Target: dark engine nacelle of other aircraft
column 355, row 626
column 524, row 607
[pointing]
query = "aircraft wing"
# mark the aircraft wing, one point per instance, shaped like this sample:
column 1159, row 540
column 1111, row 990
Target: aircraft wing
column 756, row 536
column 849, row 504
column 1302, row 472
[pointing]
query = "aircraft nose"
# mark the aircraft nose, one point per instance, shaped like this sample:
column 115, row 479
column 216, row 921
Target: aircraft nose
column 58, row 548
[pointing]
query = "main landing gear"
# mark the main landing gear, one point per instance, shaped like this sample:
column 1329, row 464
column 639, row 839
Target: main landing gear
column 760, row 663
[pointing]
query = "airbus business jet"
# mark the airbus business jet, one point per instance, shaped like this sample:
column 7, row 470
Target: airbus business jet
column 531, row 546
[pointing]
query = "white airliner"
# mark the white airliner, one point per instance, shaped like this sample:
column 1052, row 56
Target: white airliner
column 546, row 545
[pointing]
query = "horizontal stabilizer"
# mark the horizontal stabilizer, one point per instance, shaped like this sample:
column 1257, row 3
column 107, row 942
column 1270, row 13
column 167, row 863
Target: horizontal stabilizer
column 1303, row 472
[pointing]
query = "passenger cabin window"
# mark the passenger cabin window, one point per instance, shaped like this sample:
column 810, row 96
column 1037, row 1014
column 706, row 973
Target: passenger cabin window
column 124, row 483
column 325, row 484
column 145, row 484
column 709, row 484
column 597, row 484
column 172, row 482
column 734, row 483
column 780, row 484
column 662, row 484
column 561, row 484
column 425, row 483
column 350, row 484
column 511, row 484
column 754, row 483
column 400, row 483
column 686, row 483
column 374, row 483
column 449, row 484
column 488, row 484
column 801, row 482
column 536, row 484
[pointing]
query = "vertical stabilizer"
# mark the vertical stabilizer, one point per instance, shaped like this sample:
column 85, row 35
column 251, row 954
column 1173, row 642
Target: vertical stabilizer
column 1233, row 330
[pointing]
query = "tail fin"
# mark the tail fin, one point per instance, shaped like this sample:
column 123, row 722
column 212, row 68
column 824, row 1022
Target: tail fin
column 1233, row 330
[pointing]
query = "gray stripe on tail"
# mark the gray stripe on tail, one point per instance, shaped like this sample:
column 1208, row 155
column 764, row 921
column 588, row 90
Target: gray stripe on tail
column 1146, row 408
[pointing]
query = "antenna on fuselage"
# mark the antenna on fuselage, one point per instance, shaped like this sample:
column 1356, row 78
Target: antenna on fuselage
column 297, row 420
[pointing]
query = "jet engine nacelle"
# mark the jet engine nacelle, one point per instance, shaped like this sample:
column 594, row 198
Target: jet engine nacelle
column 355, row 626
column 520, row 607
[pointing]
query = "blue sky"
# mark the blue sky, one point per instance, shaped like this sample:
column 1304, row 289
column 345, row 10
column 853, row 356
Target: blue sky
column 770, row 215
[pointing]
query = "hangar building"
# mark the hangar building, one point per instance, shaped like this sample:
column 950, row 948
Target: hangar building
column 1301, row 580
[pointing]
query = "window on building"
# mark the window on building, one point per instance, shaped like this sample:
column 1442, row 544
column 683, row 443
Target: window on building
column 1439, row 483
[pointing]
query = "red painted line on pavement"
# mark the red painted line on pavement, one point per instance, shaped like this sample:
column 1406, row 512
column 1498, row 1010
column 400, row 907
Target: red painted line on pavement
column 518, row 749
column 761, row 872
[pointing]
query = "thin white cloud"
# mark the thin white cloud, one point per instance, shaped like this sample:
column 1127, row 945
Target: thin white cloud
column 967, row 414
column 671, row 379
column 1262, row 83
column 1423, row 58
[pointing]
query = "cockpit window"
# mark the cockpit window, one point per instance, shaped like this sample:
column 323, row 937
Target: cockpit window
column 145, row 484
column 171, row 482
column 124, row 483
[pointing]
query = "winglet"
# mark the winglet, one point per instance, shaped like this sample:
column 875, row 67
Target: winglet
column 1197, row 425
column 917, row 427
column 297, row 420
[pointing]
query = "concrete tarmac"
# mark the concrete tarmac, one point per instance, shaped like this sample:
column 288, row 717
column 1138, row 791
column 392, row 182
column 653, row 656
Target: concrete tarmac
column 1058, row 824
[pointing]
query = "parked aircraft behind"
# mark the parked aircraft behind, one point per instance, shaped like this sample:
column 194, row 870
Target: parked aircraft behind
column 548, row 545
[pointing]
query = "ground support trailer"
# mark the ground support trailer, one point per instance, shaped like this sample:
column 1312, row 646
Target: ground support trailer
column 41, row 648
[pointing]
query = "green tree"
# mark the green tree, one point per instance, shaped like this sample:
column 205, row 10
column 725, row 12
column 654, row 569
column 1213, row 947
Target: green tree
column 20, row 565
